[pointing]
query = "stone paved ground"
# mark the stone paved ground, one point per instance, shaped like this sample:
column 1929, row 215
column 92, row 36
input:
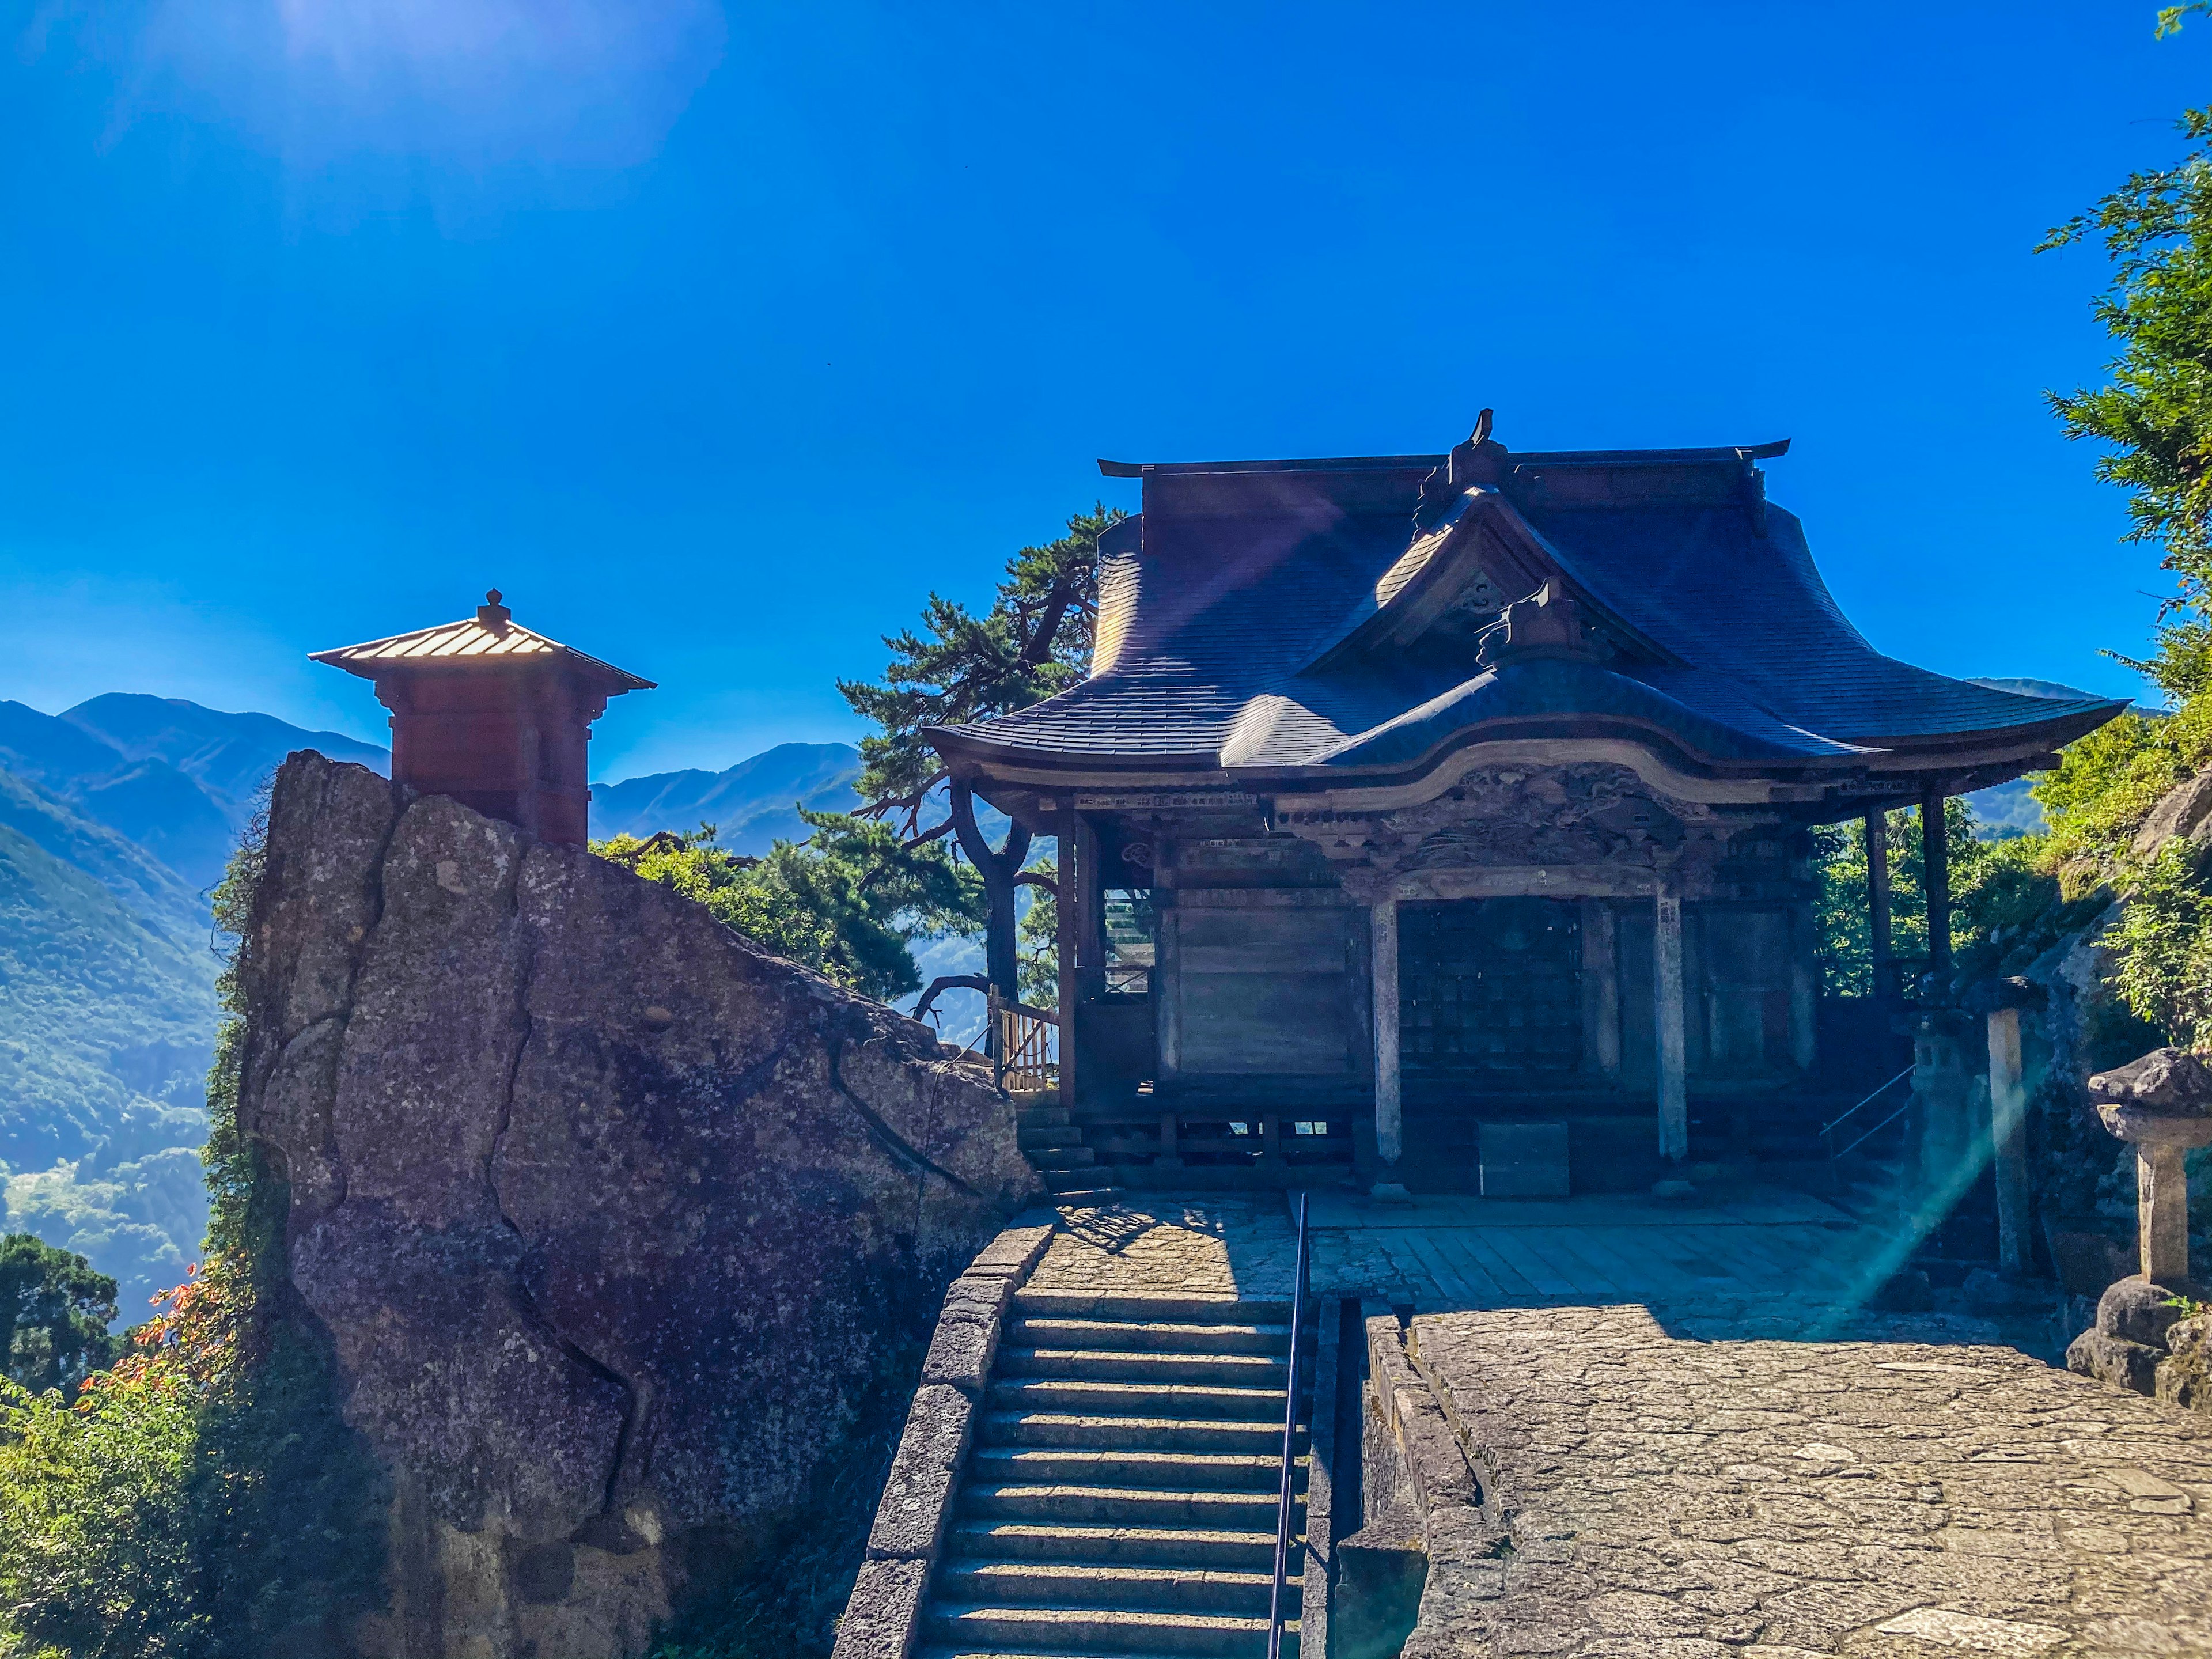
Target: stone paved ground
column 1772, row 1498
column 1230, row 1247
column 1202, row 1247
column 1689, row 1477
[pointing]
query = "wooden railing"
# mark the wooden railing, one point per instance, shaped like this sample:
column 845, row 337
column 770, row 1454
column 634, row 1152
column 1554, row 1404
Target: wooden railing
column 1025, row 1056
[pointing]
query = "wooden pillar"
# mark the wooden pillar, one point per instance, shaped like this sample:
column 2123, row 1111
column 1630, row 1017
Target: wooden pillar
column 1668, row 1000
column 1167, row 965
column 1804, row 988
column 1601, row 987
column 1882, row 946
column 1935, row 853
column 1090, row 914
column 1067, row 912
column 2008, row 1139
column 1389, row 1123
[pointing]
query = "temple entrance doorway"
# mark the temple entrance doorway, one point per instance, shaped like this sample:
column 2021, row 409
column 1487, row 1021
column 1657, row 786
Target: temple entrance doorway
column 1490, row 992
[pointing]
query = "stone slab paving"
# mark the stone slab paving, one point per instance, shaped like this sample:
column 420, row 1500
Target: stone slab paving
column 1652, row 1493
column 1766, row 1261
column 1739, row 1462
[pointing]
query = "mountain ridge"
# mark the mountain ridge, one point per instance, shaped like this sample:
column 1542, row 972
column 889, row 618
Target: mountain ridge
column 751, row 804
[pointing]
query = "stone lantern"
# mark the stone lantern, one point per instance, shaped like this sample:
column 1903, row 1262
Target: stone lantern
column 2161, row 1105
column 492, row 714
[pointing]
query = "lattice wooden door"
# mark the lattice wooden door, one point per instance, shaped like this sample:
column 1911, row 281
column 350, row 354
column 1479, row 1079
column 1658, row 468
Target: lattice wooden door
column 1490, row 986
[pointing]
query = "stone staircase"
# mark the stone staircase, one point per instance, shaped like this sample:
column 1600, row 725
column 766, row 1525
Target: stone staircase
column 1054, row 1147
column 1121, row 1496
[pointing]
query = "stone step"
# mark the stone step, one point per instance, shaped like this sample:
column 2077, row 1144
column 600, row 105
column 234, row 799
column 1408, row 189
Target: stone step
column 1257, row 1437
column 1142, row 1366
column 1149, row 1309
column 1045, row 1136
column 1180, row 1546
column 1040, row 1117
column 1080, row 1185
column 1175, row 1336
column 1179, row 1400
column 1138, row 1399
column 1048, row 1160
column 1095, row 1630
column 1074, row 1466
column 1108, row 1506
column 1130, row 1588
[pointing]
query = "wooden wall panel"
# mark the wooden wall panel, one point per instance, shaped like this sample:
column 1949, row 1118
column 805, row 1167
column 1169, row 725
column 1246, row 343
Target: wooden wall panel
column 1263, row 991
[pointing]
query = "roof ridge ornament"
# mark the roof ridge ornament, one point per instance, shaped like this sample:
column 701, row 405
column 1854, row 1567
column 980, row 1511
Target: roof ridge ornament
column 1546, row 622
column 492, row 614
column 1479, row 462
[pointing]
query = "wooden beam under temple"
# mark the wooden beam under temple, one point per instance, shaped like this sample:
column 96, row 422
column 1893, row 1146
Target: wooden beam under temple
column 1882, row 946
column 1069, row 881
column 1935, row 855
column 1672, row 1030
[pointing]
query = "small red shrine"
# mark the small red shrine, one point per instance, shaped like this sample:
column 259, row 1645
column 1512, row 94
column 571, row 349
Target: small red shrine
column 492, row 714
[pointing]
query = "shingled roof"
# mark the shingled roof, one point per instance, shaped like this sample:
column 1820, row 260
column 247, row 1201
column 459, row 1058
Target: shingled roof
column 489, row 640
column 1315, row 620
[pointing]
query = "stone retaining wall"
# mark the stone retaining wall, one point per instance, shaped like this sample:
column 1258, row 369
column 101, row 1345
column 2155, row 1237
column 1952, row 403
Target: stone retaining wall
column 885, row 1607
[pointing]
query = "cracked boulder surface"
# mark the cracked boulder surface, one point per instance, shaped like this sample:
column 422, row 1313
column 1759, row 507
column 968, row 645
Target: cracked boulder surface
column 609, row 1216
column 1643, row 1493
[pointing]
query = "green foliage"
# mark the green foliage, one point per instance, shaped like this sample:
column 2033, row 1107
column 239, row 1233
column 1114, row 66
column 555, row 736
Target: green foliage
column 97, row 1534
column 1034, row 641
column 2155, row 415
column 2163, row 943
column 203, row 1498
column 1846, row 949
column 2096, row 801
column 1038, row 936
column 56, row 1311
column 2012, row 910
column 2106, row 783
column 847, row 901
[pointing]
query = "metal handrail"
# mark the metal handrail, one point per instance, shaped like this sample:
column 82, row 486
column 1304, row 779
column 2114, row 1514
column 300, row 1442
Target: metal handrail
column 1827, row 1129
column 1876, row 1130
column 1290, row 1447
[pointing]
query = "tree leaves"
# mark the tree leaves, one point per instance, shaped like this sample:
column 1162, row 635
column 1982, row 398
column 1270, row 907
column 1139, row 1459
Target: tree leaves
column 959, row 667
column 2156, row 413
column 846, row 901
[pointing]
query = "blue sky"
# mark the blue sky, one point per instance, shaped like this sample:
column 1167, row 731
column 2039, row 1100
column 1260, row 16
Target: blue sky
column 717, row 339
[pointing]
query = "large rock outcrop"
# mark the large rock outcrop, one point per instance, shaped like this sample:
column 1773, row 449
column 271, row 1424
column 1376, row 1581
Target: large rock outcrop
column 609, row 1217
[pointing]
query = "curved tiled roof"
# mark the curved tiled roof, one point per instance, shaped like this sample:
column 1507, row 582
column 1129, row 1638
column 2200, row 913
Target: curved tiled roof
column 1247, row 619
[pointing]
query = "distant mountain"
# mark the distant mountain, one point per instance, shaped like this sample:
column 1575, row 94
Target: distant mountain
column 228, row 755
column 106, row 990
column 178, row 779
column 107, row 1019
column 751, row 804
column 2005, row 810
column 115, row 817
column 2035, row 688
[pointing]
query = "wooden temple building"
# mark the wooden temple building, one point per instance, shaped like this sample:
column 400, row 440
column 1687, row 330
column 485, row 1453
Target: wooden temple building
column 1450, row 816
column 493, row 715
